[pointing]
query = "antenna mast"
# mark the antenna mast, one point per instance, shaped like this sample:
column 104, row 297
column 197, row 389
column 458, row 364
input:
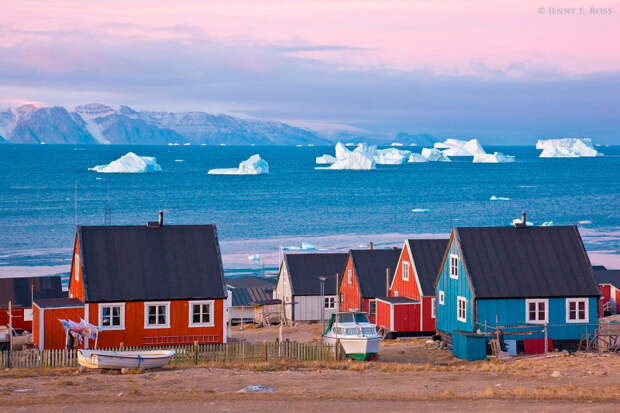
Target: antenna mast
column 75, row 208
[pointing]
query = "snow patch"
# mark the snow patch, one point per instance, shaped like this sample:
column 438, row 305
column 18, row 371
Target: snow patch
column 254, row 165
column 129, row 163
column 567, row 148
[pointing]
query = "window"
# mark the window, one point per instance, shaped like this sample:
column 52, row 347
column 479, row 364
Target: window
column 372, row 307
column 433, row 308
column 201, row 313
column 349, row 275
column 454, row 266
column 329, row 302
column 112, row 316
column 461, row 309
column 157, row 315
column 77, row 267
column 577, row 310
column 441, row 297
column 536, row 311
column 405, row 271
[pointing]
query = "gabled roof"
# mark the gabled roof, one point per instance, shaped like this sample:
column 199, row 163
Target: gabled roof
column 370, row 268
column 246, row 296
column 398, row 300
column 20, row 290
column 58, row 302
column 140, row 263
column 427, row 255
column 509, row 262
column 304, row 270
column 250, row 281
column 606, row 276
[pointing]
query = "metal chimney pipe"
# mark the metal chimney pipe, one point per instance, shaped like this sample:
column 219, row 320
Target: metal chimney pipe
column 523, row 222
column 387, row 282
column 161, row 218
column 371, row 245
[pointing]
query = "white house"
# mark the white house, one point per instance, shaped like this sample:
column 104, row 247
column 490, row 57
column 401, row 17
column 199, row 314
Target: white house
column 299, row 284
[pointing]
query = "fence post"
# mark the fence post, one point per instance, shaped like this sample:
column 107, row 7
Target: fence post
column 195, row 352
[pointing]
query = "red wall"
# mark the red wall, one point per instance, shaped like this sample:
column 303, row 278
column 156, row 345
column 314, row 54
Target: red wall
column 18, row 318
column 428, row 322
column 405, row 288
column 76, row 288
column 54, row 332
column 134, row 333
column 383, row 315
column 351, row 294
column 606, row 293
column 406, row 317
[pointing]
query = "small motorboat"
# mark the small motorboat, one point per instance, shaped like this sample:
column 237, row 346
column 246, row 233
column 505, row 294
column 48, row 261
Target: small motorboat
column 358, row 337
column 149, row 359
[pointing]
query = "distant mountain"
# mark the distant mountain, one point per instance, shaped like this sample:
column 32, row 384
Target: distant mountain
column 95, row 123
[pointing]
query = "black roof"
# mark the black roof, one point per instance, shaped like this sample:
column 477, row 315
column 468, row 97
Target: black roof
column 398, row 300
column 304, row 270
column 140, row 263
column 267, row 302
column 608, row 277
column 58, row 302
column 20, row 290
column 370, row 268
column 250, row 281
column 247, row 296
column 427, row 255
column 507, row 262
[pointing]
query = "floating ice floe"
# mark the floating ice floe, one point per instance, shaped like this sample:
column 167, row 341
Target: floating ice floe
column 585, row 222
column 358, row 159
column 129, row 163
column 518, row 221
column 396, row 144
column 499, row 198
column 419, row 210
column 457, row 147
column 567, row 148
column 325, row 159
column 305, row 246
column 254, row 258
column 496, row 157
column 547, row 224
column 178, row 160
column 434, row 155
column 391, row 156
column 254, row 165
column 416, row 157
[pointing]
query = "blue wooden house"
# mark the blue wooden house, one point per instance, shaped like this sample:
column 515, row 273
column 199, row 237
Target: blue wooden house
column 517, row 276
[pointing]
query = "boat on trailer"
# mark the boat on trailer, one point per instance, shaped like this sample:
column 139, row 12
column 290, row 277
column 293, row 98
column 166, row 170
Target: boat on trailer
column 356, row 334
column 100, row 359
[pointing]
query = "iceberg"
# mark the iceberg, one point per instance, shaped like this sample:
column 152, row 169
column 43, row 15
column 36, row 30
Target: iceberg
column 129, row 163
column 358, row 160
column 434, row 155
column 518, row 221
column 305, row 246
column 495, row 157
column 396, row 144
column 457, row 147
column 391, row 156
column 499, row 198
column 325, row 159
column 419, row 210
column 416, row 157
column 254, row 258
column 547, row 224
column 254, row 165
column 567, row 148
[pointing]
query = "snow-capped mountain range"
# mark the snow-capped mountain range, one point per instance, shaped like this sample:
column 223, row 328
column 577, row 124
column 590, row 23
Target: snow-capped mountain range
column 95, row 123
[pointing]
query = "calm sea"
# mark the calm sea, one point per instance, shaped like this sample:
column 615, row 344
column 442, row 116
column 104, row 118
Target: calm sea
column 294, row 203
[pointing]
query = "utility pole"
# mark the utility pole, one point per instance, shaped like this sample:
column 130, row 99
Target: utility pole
column 10, row 330
column 75, row 206
column 322, row 279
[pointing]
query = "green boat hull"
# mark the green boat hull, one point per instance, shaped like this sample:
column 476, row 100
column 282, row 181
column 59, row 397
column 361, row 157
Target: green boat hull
column 361, row 356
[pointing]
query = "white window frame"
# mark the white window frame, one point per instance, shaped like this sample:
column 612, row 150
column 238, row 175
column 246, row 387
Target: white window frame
column 329, row 303
column 442, row 297
column 370, row 303
column 433, row 309
column 191, row 313
column 454, row 275
column 148, row 304
column 460, row 300
column 77, row 267
column 577, row 301
column 110, row 305
column 349, row 276
column 536, row 301
column 407, row 266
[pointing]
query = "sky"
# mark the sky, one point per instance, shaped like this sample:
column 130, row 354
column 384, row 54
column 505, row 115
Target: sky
column 502, row 71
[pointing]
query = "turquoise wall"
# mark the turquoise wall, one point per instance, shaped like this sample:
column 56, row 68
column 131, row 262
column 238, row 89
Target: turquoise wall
column 446, row 313
column 511, row 311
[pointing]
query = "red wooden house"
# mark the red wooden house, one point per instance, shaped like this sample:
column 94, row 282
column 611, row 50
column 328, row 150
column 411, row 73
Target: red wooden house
column 364, row 279
column 20, row 292
column 609, row 284
column 143, row 285
column 410, row 307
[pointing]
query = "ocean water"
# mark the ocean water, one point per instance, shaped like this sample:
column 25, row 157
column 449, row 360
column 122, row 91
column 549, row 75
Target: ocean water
column 294, row 203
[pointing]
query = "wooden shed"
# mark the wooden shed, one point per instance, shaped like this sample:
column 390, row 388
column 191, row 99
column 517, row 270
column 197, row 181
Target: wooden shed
column 267, row 312
column 20, row 292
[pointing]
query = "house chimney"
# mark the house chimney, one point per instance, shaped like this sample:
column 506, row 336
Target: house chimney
column 161, row 218
column 371, row 245
column 157, row 224
column 523, row 222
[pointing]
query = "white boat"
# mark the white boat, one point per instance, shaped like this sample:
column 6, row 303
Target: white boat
column 357, row 335
column 99, row 359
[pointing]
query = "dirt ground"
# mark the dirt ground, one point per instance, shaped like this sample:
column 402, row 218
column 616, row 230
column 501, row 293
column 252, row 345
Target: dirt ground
column 410, row 375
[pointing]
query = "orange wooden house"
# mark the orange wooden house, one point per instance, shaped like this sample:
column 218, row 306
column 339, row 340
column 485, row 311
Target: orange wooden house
column 142, row 285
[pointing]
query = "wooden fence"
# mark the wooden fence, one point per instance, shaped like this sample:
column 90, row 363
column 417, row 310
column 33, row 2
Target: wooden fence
column 187, row 354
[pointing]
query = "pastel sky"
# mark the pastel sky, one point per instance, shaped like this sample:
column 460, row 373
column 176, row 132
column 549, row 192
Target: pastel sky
column 503, row 71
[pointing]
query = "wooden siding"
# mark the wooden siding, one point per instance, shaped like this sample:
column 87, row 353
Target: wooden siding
column 308, row 308
column 609, row 292
column 452, row 288
column 18, row 318
column 53, row 332
column 351, row 293
column 135, row 334
column 284, row 292
column 511, row 311
column 406, row 317
column 400, row 287
column 384, row 314
column 428, row 322
column 76, row 288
